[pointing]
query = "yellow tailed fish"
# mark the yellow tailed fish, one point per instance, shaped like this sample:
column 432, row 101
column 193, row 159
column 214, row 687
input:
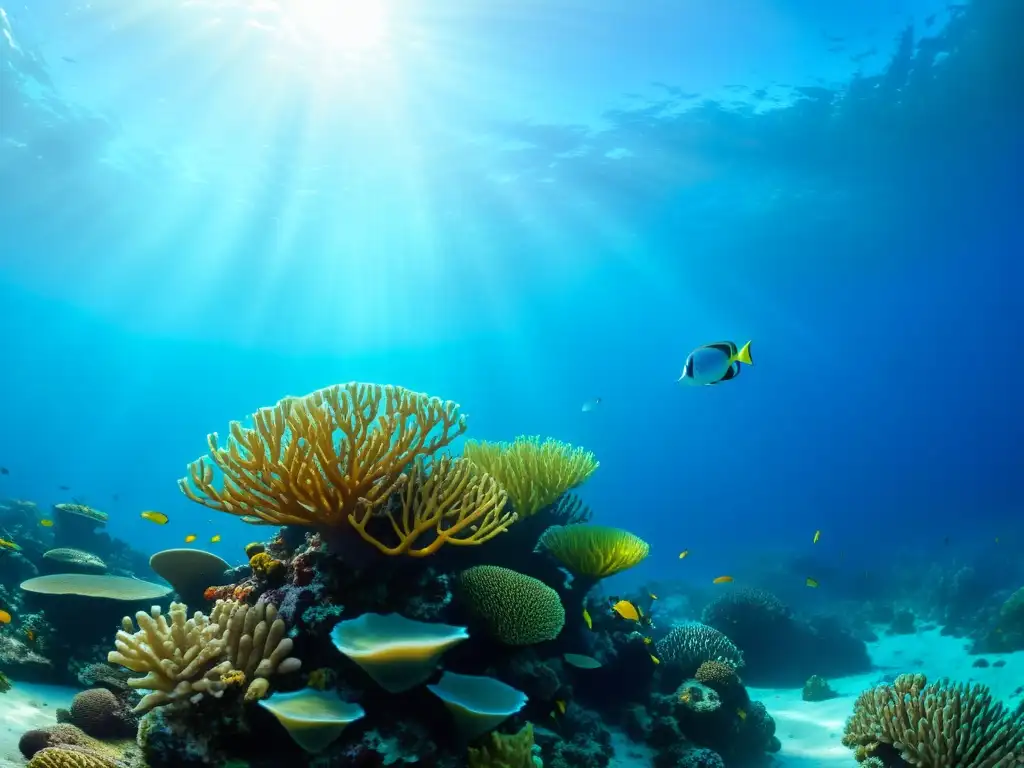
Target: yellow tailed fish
column 586, row 618
column 714, row 363
column 154, row 517
column 626, row 610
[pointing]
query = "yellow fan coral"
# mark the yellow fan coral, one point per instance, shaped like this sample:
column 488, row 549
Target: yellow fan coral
column 315, row 460
column 448, row 501
column 595, row 551
column 535, row 473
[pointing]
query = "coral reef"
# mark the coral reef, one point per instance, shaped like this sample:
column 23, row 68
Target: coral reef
column 516, row 609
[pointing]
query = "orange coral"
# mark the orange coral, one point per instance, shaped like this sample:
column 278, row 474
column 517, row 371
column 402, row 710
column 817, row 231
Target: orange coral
column 288, row 469
column 452, row 502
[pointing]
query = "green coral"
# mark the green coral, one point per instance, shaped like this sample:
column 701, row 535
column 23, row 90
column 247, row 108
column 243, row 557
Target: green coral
column 934, row 725
column 501, row 750
column 517, row 609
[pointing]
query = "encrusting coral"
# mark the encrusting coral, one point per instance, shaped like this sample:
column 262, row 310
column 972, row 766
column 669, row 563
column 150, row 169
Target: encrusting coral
column 937, row 725
column 288, row 469
column 185, row 658
column 535, row 473
column 450, row 501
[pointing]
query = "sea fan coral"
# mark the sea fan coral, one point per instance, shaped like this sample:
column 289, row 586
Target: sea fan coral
column 535, row 473
column 288, row 469
column 594, row 551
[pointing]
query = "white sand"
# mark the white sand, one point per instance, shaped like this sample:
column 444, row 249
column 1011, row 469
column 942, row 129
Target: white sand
column 810, row 732
column 24, row 707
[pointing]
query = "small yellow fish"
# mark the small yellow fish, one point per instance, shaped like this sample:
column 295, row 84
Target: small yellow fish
column 654, row 658
column 684, row 696
column 647, row 641
column 30, row 635
column 47, row 523
column 586, row 618
column 742, row 714
column 5, row 544
column 817, row 535
column 560, row 706
column 652, row 596
column 684, row 553
column 5, row 617
column 626, row 610
column 190, row 538
column 722, row 580
column 154, row 517
column 811, row 582
column 215, row 539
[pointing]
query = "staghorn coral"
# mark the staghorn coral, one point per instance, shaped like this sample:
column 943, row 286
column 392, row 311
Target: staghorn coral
column 937, row 725
column 535, row 473
column 450, row 501
column 690, row 645
column 185, row 658
column 288, row 469
column 594, row 551
column 517, row 609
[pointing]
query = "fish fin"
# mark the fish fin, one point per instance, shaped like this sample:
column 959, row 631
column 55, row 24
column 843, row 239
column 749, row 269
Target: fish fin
column 732, row 373
column 743, row 356
column 726, row 347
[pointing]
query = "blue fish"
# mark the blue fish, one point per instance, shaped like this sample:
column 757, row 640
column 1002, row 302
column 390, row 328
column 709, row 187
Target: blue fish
column 712, row 363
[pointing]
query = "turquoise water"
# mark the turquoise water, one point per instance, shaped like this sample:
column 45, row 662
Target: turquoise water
column 538, row 210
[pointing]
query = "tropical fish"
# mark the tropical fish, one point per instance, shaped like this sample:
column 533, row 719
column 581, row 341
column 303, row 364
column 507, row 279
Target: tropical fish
column 647, row 641
column 684, row 696
column 5, row 544
column 190, row 538
column 722, row 580
column 560, row 706
column 713, row 363
column 46, row 523
column 742, row 713
column 586, row 618
column 626, row 610
column 811, row 582
column 215, row 538
column 683, row 554
column 5, row 617
column 817, row 535
column 30, row 635
column 654, row 658
column 652, row 596
column 591, row 405
column 154, row 517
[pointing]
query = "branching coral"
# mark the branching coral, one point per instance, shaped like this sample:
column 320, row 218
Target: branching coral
column 594, row 551
column 289, row 469
column 941, row 725
column 448, row 501
column 185, row 658
column 535, row 473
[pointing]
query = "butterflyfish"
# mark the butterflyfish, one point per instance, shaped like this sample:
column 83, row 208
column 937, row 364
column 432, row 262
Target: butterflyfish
column 811, row 582
column 154, row 517
column 190, row 538
column 587, row 620
column 626, row 610
column 714, row 363
column 722, row 580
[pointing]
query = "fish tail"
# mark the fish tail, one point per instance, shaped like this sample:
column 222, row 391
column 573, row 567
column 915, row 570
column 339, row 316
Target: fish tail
column 743, row 356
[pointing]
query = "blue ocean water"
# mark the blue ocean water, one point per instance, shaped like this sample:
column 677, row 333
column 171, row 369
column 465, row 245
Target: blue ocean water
column 522, row 207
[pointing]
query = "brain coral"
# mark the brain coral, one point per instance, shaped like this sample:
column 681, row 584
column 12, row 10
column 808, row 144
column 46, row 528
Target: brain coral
column 517, row 609
column 100, row 713
column 690, row 645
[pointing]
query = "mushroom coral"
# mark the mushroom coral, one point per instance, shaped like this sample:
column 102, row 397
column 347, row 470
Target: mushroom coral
column 534, row 472
column 289, row 468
